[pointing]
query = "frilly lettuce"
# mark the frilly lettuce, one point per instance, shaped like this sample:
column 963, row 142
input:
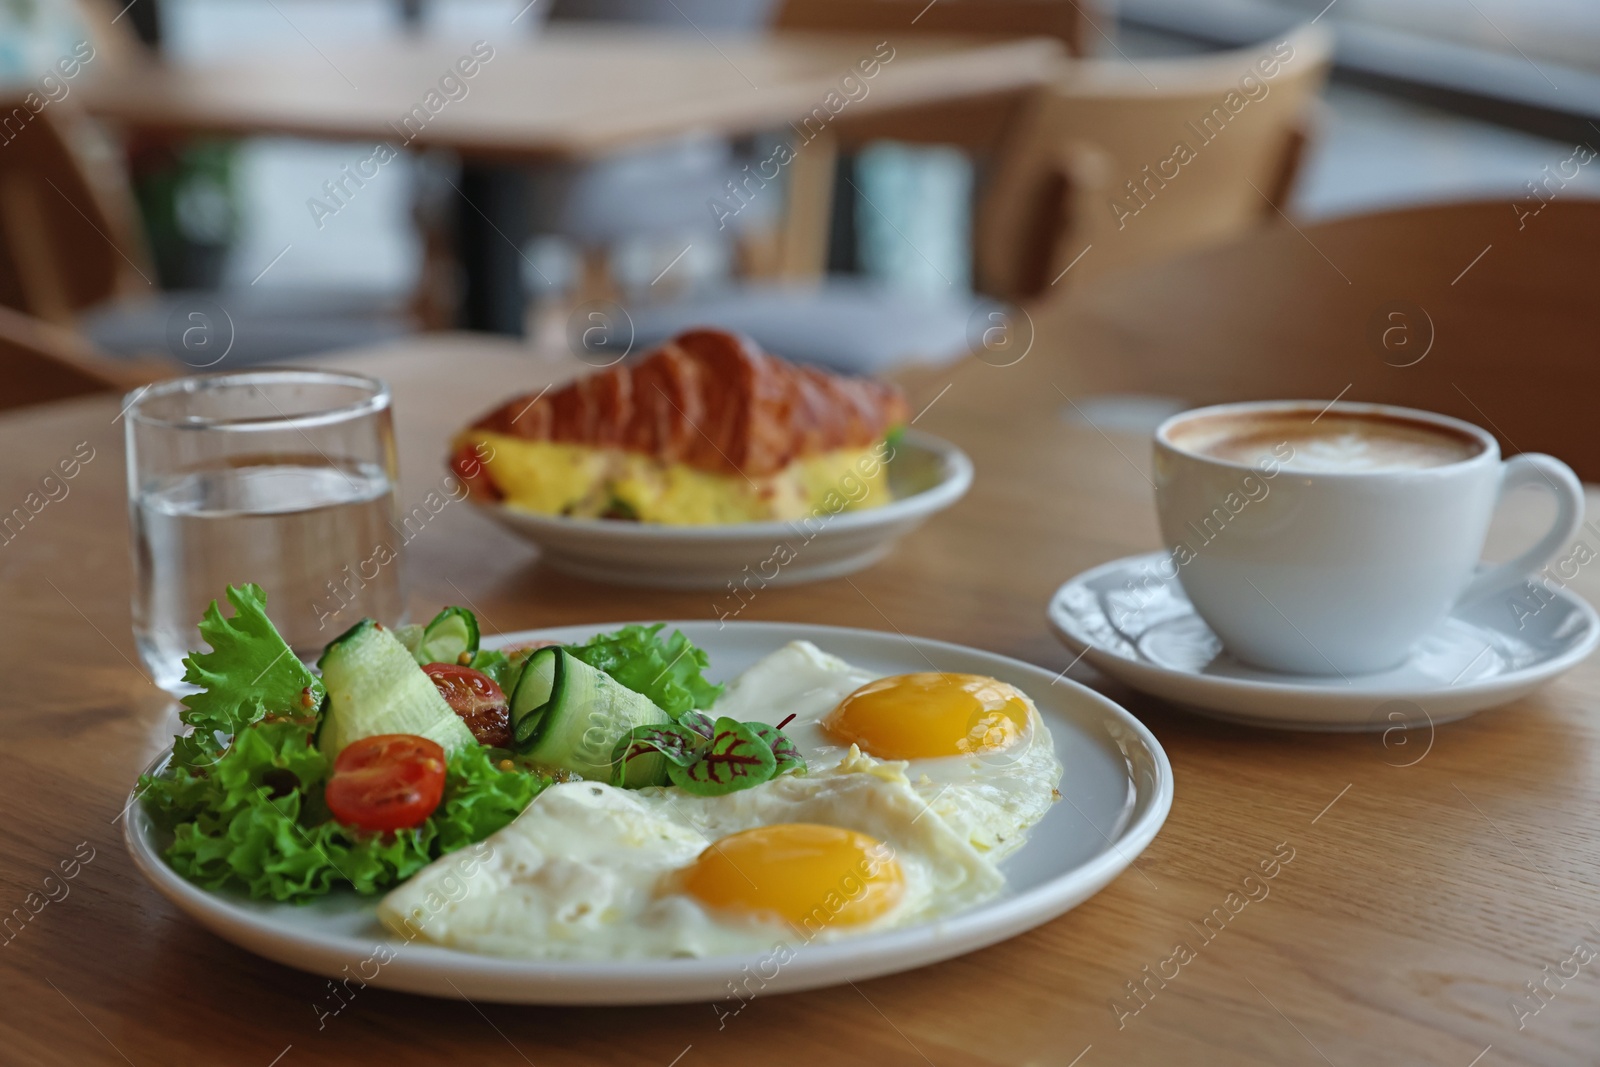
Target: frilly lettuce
column 249, row 672
column 256, row 822
column 242, row 793
column 668, row 672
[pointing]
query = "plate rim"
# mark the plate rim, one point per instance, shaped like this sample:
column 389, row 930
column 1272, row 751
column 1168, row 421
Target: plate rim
column 677, row 980
column 1098, row 653
column 957, row 479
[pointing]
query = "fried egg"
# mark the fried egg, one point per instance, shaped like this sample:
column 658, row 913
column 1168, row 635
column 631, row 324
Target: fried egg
column 973, row 748
column 593, row 872
column 917, row 785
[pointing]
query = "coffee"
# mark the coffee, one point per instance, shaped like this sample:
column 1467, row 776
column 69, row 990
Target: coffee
column 1328, row 442
column 1328, row 539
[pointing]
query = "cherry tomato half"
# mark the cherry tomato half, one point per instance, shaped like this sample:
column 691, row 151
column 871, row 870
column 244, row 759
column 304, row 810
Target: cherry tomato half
column 386, row 782
column 480, row 702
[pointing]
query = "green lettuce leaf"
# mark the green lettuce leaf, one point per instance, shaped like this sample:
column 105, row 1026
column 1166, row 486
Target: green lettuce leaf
column 668, row 672
column 249, row 672
column 480, row 798
column 497, row 665
column 255, row 822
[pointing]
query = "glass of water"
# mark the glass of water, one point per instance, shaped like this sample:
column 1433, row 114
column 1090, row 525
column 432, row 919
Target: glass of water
column 281, row 478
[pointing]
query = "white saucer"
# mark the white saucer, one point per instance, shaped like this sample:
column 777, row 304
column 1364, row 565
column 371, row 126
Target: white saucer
column 926, row 475
column 1116, row 791
column 1129, row 624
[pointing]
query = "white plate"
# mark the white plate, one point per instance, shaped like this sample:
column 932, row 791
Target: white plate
column 1115, row 795
column 1146, row 633
column 926, row 475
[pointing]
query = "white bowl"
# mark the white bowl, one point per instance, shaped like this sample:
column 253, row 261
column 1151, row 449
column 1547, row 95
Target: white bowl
column 927, row 474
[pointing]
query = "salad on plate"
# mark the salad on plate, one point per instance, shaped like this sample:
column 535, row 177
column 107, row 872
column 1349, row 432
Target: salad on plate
column 414, row 742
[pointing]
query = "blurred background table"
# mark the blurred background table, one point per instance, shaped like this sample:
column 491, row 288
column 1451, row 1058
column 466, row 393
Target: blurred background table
column 568, row 93
column 1429, row 881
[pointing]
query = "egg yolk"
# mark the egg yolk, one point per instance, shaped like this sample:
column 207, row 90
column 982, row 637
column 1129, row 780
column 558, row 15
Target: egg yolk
column 916, row 716
column 806, row 874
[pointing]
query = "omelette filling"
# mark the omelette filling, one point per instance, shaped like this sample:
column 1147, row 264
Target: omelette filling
column 799, row 873
column 580, row 481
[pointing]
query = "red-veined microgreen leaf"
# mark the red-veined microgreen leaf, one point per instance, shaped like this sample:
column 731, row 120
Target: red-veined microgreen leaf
column 700, row 723
column 736, row 759
column 785, row 753
column 643, row 754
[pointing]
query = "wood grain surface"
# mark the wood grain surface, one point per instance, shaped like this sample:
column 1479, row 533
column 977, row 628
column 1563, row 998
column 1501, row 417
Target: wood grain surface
column 569, row 91
column 1429, row 880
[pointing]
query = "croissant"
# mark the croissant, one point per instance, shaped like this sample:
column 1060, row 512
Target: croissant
column 711, row 400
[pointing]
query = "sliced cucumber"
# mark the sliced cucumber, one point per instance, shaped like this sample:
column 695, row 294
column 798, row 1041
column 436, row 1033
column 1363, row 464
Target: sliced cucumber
column 453, row 633
column 409, row 635
column 355, row 633
column 511, row 673
column 531, row 698
column 375, row 687
column 582, row 714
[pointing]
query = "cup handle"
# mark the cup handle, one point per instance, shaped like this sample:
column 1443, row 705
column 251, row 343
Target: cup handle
column 1537, row 469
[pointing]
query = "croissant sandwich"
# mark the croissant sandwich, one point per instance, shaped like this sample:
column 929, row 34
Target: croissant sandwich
column 706, row 429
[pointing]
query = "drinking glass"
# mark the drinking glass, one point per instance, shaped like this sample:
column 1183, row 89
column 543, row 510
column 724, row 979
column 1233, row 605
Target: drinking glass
column 281, row 478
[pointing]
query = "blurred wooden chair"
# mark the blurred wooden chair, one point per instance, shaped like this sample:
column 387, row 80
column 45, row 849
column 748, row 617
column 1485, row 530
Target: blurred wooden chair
column 40, row 362
column 69, row 232
column 1469, row 309
column 976, row 124
column 1140, row 162
column 110, row 29
column 72, row 253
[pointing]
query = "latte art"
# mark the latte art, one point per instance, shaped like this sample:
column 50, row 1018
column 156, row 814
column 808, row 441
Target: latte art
column 1327, row 443
column 1365, row 452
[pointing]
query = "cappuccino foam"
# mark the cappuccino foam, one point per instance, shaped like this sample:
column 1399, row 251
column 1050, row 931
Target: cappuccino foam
column 1332, row 442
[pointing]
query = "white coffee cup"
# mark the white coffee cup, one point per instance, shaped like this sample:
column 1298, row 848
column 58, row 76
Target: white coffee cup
column 1336, row 556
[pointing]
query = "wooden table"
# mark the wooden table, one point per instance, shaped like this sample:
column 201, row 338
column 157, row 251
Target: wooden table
column 1419, row 900
column 567, row 93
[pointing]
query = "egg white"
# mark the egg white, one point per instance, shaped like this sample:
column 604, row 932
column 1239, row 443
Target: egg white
column 990, row 799
column 943, row 872
column 586, row 871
